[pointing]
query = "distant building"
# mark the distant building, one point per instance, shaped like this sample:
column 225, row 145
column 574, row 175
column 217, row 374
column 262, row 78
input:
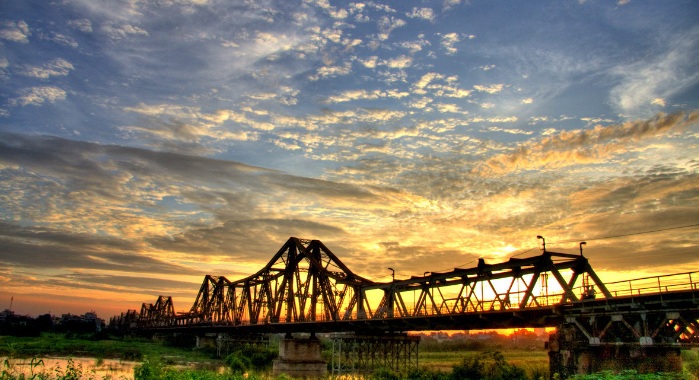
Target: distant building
column 88, row 322
column 19, row 325
column 6, row 315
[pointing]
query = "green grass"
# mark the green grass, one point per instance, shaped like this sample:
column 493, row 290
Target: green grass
column 83, row 346
column 162, row 359
column 534, row 362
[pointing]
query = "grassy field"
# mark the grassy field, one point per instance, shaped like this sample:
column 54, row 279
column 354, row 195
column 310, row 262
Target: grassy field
column 532, row 361
column 197, row 363
column 136, row 349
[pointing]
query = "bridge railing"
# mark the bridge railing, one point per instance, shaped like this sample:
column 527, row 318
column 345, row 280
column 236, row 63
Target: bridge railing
column 655, row 284
column 543, row 298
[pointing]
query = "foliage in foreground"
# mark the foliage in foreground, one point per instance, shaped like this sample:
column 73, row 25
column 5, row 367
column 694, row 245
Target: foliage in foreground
column 250, row 359
column 249, row 364
column 492, row 365
column 99, row 346
column 155, row 371
column 489, row 365
column 146, row 371
column 37, row 371
column 631, row 375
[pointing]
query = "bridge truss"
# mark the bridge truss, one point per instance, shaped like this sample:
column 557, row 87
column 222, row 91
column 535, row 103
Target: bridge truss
column 303, row 282
column 306, row 288
column 306, row 283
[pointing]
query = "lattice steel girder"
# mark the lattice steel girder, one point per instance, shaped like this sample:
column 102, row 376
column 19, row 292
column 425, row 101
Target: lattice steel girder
column 226, row 344
column 638, row 327
column 509, row 269
column 307, row 286
column 304, row 281
column 364, row 353
column 161, row 313
column 525, row 270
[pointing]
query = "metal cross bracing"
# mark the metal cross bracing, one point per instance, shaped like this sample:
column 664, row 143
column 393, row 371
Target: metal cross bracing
column 125, row 321
column 539, row 281
column 306, row 288
column 303, row 282
column 644, row 327
column 646, row 331
column 159, row 314
column 353, row 353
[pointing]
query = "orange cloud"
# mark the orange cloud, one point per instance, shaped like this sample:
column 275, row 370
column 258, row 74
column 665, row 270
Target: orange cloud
column 586, row 146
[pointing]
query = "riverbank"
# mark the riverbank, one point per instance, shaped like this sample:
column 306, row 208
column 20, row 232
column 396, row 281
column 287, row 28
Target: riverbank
column 100, row 346
column 69, row 367
column 61, row 357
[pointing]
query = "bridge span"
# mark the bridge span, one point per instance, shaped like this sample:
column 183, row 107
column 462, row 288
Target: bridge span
column 306, row 288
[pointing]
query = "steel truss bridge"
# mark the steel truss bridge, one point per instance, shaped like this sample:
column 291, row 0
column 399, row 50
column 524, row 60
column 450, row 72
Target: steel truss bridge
column 306, row 288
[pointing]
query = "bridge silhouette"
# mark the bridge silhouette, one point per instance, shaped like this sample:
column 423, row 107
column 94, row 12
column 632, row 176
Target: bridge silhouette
column 306, row 288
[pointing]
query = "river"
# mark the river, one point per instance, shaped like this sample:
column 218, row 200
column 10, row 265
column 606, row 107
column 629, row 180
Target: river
column 88, row 368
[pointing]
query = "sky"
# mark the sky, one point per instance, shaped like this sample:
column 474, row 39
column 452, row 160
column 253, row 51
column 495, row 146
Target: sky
column 147, row 143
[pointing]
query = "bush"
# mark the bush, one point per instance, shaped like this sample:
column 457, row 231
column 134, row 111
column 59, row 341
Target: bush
column 538, row 373
column 488, row 365
column 425, row 374
column 131, row 353
column 148, row 371
column 691, row 363
column 250, row 358
column 237, row 362
column 629, row 375
column 384, row 374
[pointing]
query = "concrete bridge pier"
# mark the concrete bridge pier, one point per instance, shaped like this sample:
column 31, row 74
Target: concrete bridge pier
column 645, row 342
column 300, row 358
column 205, row 340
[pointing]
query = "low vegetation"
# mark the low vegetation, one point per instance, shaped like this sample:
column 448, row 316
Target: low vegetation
column 164, row 360
column 96, row 345
column 250, row 359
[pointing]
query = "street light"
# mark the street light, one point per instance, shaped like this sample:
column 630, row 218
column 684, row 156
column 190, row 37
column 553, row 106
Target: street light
column 581, row 244
column 393, row 274
column 542, row 240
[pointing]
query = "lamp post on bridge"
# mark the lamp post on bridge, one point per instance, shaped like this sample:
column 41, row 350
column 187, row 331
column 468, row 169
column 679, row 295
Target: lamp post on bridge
column 581, row 244
column 543, row 241
column 393, row 274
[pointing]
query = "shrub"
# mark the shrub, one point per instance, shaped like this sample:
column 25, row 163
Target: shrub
column 384, row 374
column 691, row 363
column 131, row 353
column 425, row 374
column 488, row 365
column 148, row 371
column 237, row 362
column 250, row 358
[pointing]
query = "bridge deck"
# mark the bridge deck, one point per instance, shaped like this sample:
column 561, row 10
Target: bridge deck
column 306, row 288
column 686, row 301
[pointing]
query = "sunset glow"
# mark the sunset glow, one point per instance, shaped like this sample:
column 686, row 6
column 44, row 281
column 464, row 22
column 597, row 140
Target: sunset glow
column 145, row 144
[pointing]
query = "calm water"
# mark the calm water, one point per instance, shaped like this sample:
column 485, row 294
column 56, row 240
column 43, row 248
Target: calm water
column 89, row 367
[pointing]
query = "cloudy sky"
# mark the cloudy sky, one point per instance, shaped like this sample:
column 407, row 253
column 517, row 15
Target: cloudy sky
column 147, row 143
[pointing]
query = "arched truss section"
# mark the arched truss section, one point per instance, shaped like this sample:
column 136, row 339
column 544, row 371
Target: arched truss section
column 159, row 314
column 303, row 282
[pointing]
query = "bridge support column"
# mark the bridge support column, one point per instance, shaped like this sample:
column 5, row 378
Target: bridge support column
column 357, row 354
column 300, row 357
column 205, row 341
column 574, row 350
